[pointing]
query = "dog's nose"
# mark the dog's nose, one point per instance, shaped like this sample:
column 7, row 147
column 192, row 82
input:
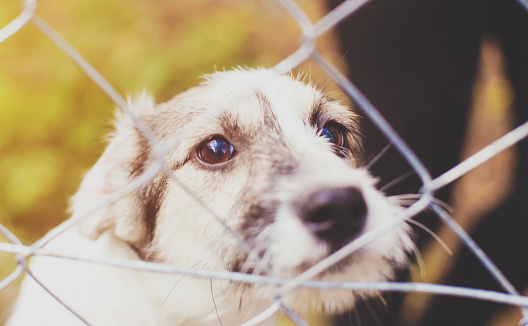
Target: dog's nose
column 335, row 215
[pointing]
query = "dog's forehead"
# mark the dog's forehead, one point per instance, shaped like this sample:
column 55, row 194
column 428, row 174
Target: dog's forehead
column 253, row 106
column 254, row 93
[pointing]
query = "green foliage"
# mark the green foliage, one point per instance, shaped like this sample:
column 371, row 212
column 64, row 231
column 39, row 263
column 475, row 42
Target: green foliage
column 53, row 117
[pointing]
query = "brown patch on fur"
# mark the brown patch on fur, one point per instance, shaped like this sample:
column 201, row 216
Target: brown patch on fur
column 150, row 196
column 137, row 166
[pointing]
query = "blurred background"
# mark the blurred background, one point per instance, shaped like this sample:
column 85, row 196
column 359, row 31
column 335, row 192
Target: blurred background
column 53, row 118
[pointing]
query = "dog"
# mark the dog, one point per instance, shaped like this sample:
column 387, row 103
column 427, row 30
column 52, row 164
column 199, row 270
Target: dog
column 260, row 175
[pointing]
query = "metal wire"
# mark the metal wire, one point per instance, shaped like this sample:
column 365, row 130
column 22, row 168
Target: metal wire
column 306, row 50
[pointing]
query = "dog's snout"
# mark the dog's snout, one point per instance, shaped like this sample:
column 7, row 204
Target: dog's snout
column 335, row 215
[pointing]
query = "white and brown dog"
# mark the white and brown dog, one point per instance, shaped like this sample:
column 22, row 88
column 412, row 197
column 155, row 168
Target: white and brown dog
column 273, row 157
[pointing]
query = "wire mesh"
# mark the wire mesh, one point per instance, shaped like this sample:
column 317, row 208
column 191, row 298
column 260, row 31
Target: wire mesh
column 307, row 50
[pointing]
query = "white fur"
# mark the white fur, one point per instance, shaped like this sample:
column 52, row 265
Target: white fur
column 187, row 235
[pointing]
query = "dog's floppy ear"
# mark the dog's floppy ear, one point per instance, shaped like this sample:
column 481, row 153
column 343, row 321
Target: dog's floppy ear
column 110, row 174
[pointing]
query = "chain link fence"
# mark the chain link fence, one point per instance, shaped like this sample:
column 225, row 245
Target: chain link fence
column 307, row 50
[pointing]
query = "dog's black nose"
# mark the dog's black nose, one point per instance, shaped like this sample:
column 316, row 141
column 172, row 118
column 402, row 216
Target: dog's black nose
column 335, row 215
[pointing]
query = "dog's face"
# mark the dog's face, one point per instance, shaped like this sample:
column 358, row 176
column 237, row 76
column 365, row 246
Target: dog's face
column 273, row 158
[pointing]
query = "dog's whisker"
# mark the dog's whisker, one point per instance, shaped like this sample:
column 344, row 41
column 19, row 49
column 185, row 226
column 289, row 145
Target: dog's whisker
column 432, row 234
column 373, row 313
column 214, row 302
column 177, row 282
column 172, row 289
column 324, row 84
column 368, row 164
column 419, row 262
column 248, row 313
column 397, row 180
column 356, row 316
column 404, row 199
column 382, row 300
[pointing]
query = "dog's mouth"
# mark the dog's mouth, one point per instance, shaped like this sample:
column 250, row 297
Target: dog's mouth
column 339, row 267
column 336, row 268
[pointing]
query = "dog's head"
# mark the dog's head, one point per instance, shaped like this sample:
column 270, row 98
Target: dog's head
column 271, row 157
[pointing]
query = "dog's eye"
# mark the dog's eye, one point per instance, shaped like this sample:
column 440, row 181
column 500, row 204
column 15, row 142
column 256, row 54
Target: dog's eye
column 333, row 134
column 215, row 150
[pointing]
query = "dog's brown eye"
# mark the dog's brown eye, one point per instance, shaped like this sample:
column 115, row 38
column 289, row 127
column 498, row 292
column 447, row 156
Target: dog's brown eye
column 215, row 150
column 333, row 134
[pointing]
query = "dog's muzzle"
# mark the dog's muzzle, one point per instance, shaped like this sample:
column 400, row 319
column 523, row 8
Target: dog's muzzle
column 335, row 215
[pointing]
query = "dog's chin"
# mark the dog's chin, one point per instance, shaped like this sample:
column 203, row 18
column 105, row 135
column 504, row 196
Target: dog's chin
column 354, row 268
column 337, row 268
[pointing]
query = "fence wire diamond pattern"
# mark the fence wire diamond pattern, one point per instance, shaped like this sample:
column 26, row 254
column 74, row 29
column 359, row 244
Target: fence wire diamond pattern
column 307, row 50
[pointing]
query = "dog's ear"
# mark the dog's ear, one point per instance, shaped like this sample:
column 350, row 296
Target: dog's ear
column 93, row 202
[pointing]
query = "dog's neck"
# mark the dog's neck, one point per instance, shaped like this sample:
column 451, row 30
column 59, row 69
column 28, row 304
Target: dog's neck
column 195, row 301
